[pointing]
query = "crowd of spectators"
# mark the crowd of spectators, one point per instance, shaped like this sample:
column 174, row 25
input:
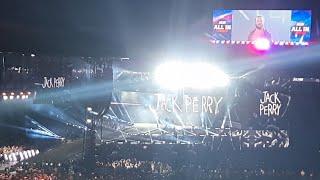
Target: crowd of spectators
column 42, row 170
column 11, row 149
column 140, row 161
column 29, row 174
column 156, row 167
column 134, row 169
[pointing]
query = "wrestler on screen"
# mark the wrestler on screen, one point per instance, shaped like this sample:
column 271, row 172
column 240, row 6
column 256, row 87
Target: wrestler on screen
column 259, row 31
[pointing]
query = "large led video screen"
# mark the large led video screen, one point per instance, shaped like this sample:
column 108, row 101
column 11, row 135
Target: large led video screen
column 250, row 25
column 255, row 116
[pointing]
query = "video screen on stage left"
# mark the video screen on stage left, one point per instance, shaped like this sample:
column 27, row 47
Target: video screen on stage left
column 291, row 26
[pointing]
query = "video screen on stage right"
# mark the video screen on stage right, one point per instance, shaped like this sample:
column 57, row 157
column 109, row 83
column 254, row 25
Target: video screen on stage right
column 292, row 26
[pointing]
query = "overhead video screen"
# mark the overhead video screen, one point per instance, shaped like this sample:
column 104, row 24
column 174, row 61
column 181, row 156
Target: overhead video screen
column 250, row 25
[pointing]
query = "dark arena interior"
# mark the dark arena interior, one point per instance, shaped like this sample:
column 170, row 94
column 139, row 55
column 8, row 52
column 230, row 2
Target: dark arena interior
column 160, row 89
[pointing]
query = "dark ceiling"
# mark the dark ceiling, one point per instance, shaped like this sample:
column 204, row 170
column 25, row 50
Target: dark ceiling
column 134, row 28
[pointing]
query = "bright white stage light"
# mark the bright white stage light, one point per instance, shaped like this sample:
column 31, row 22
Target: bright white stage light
column 21, row 156
column 262, row 44
column 89, row 109
column 5, row 97
column 29, row 153
column 169, row 75
column 25, row 154
column 33, row 153
column 89, row 121
column 175, row 75
column 14, row 158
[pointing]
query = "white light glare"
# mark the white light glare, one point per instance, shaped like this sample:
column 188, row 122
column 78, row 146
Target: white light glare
column 25, row 155
column 89, row 121
column 262, row 44
column 175, row 75
column 33, row 153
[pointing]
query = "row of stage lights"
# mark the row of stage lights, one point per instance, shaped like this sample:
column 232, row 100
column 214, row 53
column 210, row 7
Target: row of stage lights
column 20, row 156
column 89, row 110
column 73, row 125
column 276, row 43
column 15, row 96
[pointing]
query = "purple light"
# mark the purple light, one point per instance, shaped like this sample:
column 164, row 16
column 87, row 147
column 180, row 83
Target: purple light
column 262, row 44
